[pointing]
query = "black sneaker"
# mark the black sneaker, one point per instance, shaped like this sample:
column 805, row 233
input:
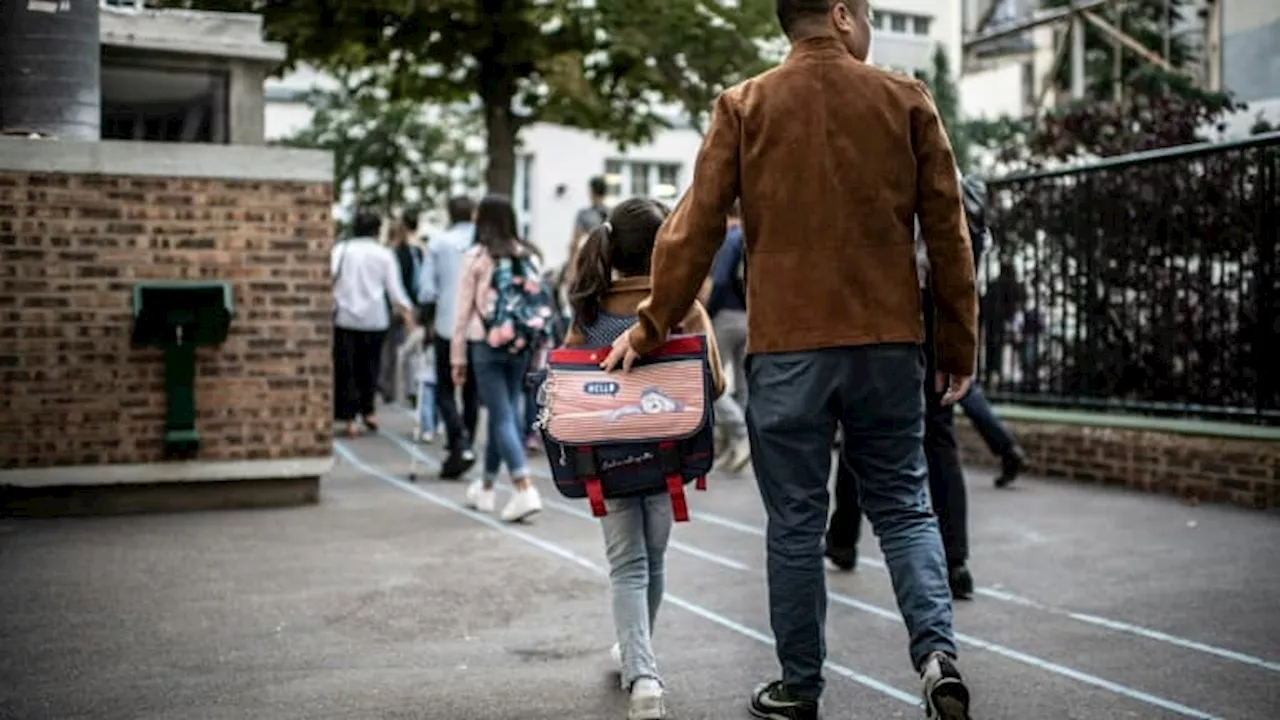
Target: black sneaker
column 772, row 701
column 457, row 464
column 945, row 695
column 1011, row 466
column 961, row 582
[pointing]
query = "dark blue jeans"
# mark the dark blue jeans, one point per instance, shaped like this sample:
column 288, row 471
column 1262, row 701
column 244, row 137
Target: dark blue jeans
column 500, row 384
column 876, row 394
column 993, row 432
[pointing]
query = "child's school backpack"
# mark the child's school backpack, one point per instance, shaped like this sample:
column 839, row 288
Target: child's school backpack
column 521, row 314
column 614, row 435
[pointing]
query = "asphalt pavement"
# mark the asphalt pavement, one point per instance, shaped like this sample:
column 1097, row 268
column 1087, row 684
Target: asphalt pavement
column 389, row 600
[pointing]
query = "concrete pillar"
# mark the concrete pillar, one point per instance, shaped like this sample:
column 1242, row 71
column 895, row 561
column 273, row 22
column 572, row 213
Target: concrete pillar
column 245, row 103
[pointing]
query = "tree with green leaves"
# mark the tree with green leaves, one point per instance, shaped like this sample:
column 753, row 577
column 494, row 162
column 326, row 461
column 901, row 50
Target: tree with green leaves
column 946, row 96
column 387, row 152
column 604, row 65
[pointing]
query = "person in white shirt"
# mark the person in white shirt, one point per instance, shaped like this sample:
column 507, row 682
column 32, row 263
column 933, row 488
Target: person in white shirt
column 365, row 276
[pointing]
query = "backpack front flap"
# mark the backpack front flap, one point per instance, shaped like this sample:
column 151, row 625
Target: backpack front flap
column 521, row 316
column 633, row 433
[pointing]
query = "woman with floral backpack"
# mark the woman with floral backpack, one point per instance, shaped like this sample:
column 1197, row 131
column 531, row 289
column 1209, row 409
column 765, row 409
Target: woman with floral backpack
column 502, row 314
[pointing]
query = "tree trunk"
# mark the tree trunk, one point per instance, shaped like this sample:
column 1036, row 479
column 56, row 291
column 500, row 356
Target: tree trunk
column 500, row 128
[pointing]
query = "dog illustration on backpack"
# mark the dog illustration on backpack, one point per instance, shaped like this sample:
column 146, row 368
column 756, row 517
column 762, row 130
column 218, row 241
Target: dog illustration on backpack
column 652, row 402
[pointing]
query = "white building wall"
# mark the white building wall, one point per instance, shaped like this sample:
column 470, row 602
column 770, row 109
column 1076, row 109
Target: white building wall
column 561, row 160
column 898, row 43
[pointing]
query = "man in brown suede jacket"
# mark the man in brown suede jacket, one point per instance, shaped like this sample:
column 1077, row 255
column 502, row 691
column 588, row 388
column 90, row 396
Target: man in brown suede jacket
column 834, row 160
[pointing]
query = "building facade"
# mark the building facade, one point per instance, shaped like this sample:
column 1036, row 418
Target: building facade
column 183, row 76
column 1238, row 42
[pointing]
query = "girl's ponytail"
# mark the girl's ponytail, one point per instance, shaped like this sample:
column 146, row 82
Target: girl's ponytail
column 592, row 275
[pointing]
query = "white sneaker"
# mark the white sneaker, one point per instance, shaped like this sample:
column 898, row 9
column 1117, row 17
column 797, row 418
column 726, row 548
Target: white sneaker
column 615, row 653
column 522, row 505
column 480, row 499
column 646, row 700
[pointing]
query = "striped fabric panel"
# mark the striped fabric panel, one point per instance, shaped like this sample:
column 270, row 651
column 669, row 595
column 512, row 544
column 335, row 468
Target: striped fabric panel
column 652, row 402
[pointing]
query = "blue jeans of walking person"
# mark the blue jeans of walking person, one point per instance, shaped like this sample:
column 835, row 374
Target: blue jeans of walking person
column 993, row 432
column 636, row 531
column 876, row 394
column 500, row 386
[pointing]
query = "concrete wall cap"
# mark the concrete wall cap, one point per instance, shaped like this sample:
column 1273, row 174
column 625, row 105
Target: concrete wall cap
column 191, row 160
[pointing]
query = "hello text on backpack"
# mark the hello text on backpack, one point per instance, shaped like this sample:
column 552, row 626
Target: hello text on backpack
column 520, row 314
column 614, row 435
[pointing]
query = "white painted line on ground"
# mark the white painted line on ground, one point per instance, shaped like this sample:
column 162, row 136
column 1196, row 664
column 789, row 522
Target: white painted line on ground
column 1130, row 629
column 1014, row 599
column 973, row 641
column 431, row 462
column 572, row 557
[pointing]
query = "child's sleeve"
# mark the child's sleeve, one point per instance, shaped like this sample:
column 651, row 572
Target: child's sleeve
column 697, row 322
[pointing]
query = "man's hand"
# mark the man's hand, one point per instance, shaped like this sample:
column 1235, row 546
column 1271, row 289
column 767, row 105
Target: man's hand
column 622, row 352
column 459, row 374
column 952, row 387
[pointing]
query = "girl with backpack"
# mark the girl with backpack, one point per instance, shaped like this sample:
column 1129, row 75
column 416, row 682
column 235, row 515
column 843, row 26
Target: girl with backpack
column 502, row 314
column 609, row 282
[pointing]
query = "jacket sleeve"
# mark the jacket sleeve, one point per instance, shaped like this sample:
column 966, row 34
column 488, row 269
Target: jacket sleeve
column 940, row 210
column 463, row 309
column 722, row 267
column 689, row 238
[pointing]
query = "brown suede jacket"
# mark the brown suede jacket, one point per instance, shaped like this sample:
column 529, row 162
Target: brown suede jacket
column 833, row 160
column 626, row 294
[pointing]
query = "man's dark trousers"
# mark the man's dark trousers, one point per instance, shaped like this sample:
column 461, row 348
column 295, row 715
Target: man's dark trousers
column 793, row 405
column 950, row 498
column 460, row 427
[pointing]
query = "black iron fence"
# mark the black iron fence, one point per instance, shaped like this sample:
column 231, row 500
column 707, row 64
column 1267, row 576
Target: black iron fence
column 1148, row 283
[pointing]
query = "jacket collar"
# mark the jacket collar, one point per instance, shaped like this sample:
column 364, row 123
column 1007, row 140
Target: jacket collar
column 629, row 284
column 817, row 46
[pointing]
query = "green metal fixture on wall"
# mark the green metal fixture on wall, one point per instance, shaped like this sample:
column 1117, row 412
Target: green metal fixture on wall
column 179, row 316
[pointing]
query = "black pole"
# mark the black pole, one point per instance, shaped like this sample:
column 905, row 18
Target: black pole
column 49, row 69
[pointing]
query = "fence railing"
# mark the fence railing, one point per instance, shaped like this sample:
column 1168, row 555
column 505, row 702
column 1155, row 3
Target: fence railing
column 1148, row 283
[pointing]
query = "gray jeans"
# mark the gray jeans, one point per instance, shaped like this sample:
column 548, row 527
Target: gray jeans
column 875, row 393
column 730, row 327
column 636, row 530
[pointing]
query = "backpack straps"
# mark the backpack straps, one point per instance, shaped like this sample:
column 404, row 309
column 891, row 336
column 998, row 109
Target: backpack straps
column 584, row 468
column 669, row 454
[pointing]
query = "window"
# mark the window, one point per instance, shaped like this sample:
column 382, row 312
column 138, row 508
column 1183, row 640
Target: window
column 897, row 22
column 613, row 180
column 920, row 24
column 660, row 181
column 668, row 186
column 526, row 165
column 140, row 103
column 877, row 20
column 640, row 179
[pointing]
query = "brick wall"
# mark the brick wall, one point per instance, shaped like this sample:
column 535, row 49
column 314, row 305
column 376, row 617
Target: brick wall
column 73, row 391
column 1200, row 468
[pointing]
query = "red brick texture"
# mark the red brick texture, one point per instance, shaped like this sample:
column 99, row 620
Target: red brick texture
column 74, row 391
column 1201, row 468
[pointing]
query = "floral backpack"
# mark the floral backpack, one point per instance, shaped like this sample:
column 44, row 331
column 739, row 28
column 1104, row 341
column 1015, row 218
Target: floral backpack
column 520, row 311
